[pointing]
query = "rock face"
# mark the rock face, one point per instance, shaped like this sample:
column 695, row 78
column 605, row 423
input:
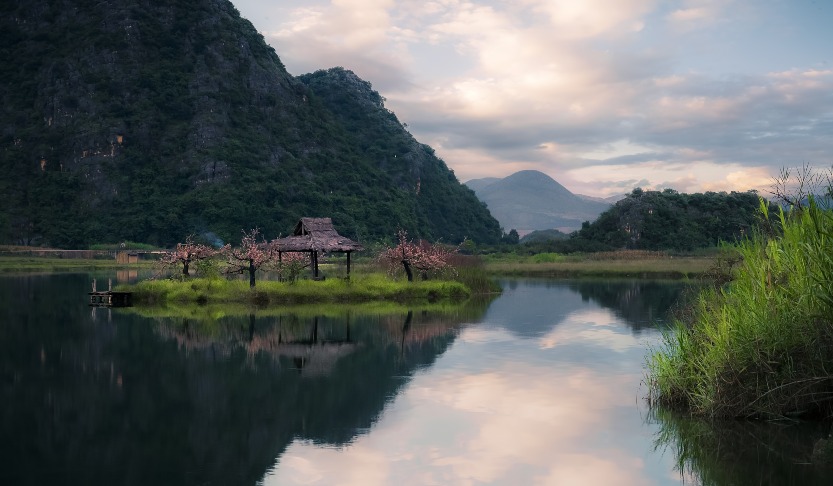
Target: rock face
column 531, row 200
column 163, row 119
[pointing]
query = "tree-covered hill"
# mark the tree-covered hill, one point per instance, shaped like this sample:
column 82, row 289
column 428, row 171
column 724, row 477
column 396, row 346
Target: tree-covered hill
column 147, row 121
column 668, row 220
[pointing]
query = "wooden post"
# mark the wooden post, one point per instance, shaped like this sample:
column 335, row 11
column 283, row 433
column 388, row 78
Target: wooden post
column 348, row 265
column 315, row 264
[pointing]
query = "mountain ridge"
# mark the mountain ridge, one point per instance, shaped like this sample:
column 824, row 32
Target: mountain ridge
column 167, row 120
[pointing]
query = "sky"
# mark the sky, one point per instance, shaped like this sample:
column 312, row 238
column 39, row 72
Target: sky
column 602, row 95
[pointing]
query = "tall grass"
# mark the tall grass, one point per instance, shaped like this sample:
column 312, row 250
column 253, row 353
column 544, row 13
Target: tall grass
column 761, row 345
column 471, row 272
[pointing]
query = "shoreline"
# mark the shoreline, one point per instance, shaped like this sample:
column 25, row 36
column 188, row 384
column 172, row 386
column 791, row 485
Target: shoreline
column 667, row 268
column 363, row 289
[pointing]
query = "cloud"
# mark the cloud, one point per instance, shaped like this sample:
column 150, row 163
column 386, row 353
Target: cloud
column 496, row 87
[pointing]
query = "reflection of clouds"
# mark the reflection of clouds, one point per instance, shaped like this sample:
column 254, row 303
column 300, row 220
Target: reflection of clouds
column 480, row 335
column 505, row 422
column 592, row 469
column 589, row 326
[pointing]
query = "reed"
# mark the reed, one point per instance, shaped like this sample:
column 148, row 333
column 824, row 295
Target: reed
column 761, row 345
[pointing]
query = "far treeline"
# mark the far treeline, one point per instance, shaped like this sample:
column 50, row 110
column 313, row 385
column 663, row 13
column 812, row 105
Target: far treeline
column 663, row 220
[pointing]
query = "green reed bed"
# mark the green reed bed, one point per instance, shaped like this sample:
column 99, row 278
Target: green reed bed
column 762, row 345
column 360, row 289
column 592, row 265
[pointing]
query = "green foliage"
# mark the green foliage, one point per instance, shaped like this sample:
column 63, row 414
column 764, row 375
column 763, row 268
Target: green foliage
column 156, row 121
column 511, row 238
column 361, row 289
column 544, row 236
column 666, row 220
column 547, row 257
column 762, row 344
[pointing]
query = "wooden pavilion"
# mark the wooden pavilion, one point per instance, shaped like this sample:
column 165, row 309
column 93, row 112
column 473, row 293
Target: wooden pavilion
column 313, row 235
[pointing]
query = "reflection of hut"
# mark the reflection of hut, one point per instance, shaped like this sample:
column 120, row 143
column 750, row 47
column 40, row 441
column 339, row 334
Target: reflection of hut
column 310, row 355
column 313, row 235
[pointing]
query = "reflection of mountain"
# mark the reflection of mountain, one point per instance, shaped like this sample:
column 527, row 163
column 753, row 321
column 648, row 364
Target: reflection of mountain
column 137, row 402
column 640, row 303
column 533, row 308
column 537, row 306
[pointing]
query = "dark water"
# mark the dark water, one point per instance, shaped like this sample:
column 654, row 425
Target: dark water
column 539, row 386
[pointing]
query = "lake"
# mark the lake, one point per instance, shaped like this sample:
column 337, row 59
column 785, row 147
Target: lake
column 540, row 385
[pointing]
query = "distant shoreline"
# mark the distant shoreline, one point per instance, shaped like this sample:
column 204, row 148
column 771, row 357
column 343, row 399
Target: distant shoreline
column 571, row 266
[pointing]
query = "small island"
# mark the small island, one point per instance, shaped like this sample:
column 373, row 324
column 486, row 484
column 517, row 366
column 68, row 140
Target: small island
column 286, row 258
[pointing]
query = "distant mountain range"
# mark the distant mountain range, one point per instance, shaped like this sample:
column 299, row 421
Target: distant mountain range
column 530, row 200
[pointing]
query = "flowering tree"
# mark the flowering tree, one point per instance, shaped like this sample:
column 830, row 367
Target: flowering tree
column 187, row 253
column 252, row 254
column 422, row 256
column 291, row 263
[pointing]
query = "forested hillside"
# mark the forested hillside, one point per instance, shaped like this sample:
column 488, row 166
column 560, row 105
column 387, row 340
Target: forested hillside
column 147, row 121
column 668, row 220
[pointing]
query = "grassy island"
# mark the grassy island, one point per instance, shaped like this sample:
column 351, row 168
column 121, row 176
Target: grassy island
column 360, row 289
column 762, row 344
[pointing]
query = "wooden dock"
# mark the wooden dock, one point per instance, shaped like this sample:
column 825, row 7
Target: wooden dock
column 111, row 299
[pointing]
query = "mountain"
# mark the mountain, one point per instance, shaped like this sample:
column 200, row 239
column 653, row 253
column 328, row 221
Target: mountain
column 148, row 121
column 608, row 200
column 478, row 184
column 531, row 200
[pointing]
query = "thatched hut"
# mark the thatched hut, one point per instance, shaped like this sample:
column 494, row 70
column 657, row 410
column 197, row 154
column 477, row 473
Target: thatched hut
column 313, row 235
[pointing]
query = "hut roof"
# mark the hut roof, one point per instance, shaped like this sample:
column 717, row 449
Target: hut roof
column 316, row 234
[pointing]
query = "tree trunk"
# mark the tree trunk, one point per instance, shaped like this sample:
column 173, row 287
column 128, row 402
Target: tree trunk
column 252, row 271
column 185, row 267
column 408, row 272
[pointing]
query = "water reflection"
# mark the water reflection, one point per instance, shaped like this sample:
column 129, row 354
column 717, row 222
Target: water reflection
column 112, row 397
column 530, row 308
column 641, row 304
column 743, row 452
column 543, row 391
column 539, row 387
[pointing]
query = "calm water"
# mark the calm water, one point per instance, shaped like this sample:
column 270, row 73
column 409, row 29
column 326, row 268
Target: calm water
column 540, row 386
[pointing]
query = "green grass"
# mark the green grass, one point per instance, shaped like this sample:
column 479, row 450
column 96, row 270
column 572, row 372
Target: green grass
column 9, row 264
column 123, row 246
column 762, row 345
column 217, row 311
column 601, row 265
column 365, row 288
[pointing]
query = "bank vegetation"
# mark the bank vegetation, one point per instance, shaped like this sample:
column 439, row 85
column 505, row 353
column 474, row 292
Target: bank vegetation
column 760, row 345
